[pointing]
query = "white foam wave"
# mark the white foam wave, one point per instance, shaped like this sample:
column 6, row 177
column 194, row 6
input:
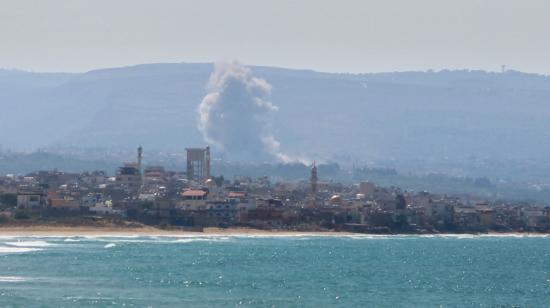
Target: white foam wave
column 465, row 236
column 367, row 236
column 12, row 279
column 110, row 245
column 29, row 244
column 199, row 239
column 163, row 239
column 487, row 235
column 4, row 250
column 94, row 237
column 71, row 240
column 47, row 241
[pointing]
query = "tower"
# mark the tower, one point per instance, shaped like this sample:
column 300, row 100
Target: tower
column 198, row 164
column 139, row 157
column 139, row 160
column 313, row 181
column 207, row 163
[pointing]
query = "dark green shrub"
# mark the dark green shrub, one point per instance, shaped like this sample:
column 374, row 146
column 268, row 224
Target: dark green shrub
column 21, row 215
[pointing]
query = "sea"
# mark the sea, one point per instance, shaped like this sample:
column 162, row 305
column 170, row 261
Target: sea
column 275, row 271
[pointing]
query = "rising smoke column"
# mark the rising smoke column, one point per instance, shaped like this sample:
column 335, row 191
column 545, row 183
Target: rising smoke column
column 233, row 116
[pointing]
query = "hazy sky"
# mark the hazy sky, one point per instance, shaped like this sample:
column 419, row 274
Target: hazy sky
column 342, row 36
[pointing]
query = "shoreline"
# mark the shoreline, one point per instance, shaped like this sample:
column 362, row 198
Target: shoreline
column 71, row 231
column 151, row 231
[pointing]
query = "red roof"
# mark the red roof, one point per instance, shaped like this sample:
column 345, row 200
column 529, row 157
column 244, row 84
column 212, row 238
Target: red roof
column 53, row 194
column 194, row 193
column 237, row 194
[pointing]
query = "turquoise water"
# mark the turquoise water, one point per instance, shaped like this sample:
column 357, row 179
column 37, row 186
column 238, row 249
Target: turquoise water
column 299, row 271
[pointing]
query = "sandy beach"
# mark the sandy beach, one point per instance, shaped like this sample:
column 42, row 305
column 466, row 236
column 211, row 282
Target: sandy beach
column 146, row 231
column 48, row 230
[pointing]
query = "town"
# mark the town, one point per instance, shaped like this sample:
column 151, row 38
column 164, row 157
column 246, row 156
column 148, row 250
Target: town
column 196, row 199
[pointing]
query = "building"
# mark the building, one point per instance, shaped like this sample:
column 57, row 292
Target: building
column 198, row 164
column 31, row 198
column 129, row 177
column 313, row 179
column 222, row 211
column 64, row 204
column 193, row 199
column 367, row 188
column 105, row 208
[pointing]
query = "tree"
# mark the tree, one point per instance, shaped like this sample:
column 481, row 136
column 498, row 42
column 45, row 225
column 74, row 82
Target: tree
column 8, row 200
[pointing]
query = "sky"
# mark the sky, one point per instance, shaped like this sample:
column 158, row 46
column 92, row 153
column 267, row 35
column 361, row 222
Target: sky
column 358, row 36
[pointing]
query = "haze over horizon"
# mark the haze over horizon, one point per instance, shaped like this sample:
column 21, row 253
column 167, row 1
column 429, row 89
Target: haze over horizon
column 359, row 37
column 129, row 66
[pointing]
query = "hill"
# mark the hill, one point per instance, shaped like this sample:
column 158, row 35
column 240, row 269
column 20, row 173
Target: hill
column 425, row 118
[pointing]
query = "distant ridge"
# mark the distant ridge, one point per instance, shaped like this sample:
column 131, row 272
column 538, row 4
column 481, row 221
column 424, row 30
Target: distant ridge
column 445, row 115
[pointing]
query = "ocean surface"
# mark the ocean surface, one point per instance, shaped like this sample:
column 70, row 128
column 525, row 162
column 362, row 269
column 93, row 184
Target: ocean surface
column 278, row 271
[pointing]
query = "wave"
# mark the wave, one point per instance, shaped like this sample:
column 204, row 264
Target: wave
column 110, row 245
column 58, row 241
column 156, row 239
column 200, row 239
column 29, row 244
column 12, row 279
column 100, row 236
column 71, row 240
column 4, row 250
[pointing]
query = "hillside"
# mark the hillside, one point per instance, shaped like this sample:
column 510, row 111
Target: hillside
column 410, row 116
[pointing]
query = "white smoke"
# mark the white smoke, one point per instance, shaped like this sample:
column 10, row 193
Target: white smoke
column 234, row 115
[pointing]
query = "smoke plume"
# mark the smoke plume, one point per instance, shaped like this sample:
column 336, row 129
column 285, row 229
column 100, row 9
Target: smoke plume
column 234, row 115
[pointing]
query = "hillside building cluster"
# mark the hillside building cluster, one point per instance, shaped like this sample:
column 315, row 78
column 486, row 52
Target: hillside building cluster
column 195, row 199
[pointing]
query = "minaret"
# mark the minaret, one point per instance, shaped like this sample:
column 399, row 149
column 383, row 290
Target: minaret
column 139, row 157
column 313, row 181
column 207, row 163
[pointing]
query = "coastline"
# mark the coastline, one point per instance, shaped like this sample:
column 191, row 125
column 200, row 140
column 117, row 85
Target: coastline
column 151, row 231
column 75, row 231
